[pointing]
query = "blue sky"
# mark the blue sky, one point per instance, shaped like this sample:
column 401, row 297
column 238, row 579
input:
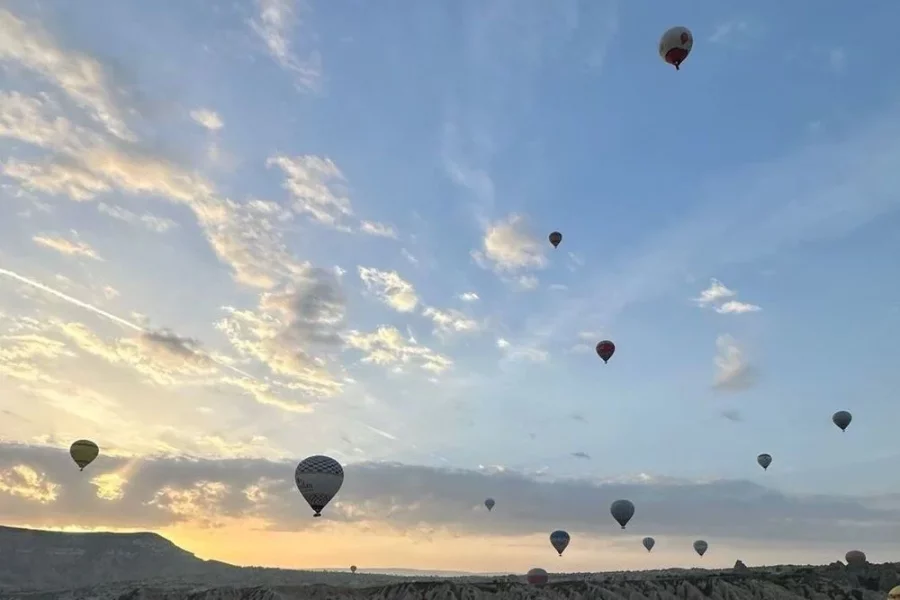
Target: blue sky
column 337, row 213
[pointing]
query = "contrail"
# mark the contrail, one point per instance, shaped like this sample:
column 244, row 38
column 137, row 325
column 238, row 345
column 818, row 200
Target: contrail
column 99, row 311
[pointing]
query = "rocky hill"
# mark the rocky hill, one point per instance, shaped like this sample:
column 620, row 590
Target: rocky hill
column 41, row 565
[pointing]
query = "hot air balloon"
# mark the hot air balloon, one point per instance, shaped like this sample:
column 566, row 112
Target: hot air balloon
column 894, row 594
column 353, row 568
column 537, row 576
column 83, row 452
column 622, row 511
column 764, row 460
column 700, row 547
column 842, row 419
column 605, row 350
column 855, row 558
column 489, row 502
column 559, row 539
column 648, row 542
column 675, row 45
column 555, row 238
column 319, row 478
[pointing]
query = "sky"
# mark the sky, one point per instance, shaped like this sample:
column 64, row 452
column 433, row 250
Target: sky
column 236, row 234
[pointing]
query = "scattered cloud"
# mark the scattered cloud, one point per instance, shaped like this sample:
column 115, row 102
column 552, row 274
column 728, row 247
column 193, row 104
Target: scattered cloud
column 468, row 297
column 151, row 222
column 171, row 491
column 583, row 455
column 733, row 371
column 207, row 118
column 725, row 31
column 275, row 24
column 65, row 246
column 387, row 347
column 390, row 288
column 509, row 246
column 378, row 229
column 722, row 300
column 451, row 321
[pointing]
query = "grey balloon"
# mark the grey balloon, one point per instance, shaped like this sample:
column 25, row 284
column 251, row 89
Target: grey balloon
column 622, row 511
column 842, row 419
column 764, row 460
column 700, row 547
column 856, row 558
column 559, row 539
column 648, row 542
column 489, row 503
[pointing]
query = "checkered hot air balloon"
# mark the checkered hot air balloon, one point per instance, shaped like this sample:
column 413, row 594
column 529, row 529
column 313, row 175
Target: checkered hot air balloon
column 319, row 478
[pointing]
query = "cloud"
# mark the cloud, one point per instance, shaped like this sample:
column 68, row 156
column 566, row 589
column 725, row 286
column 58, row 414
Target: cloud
column 64, row 246
column 725, row 31
column 733, row 371
column 207, row 118
column 509, row 246
column 717, row 295
column 387, row 347
column 159, row 492
column 451, row 321
column 151, row 222
column 274, row 24
column 468, row 297
column 583, row 455
column 378, row 229
column 735, row 307
column 81, row 77
column 515, row 352
column 390, row 288
column 732, row 414
column 315, row 186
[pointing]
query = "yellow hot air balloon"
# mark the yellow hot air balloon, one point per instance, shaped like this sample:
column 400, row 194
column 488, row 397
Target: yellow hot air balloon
column 83, row 452
column 894, row 594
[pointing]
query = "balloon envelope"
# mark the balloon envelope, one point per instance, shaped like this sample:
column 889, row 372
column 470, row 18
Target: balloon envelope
column 894, row 594
column 605, row 350
column 855, row 557
column 842, row 419
column 489, row 503
column 675, row 45
column 555, row 238
column 559, row 539
column 764, row 460
column 622, row 511
column 537, row 576
column 83, row 452
column 318, row 478
column 700, row 547
column 353, row 568
column 648, row 542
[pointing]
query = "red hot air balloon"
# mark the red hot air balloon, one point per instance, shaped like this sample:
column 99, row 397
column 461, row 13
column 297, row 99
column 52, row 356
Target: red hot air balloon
column 555, row 238
column 605, row 350
column 537, row 576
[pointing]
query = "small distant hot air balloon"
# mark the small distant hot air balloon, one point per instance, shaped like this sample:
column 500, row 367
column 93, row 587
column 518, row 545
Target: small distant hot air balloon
column 622, row 511
column 489, row 502
column 353, row 568
column 842, row 419
column 537, row 576
column 555, row 238
column 83, row 452
column 700, row 547
column 605, row 350
column 648, row 542
column 319, row 478
column 675, row 45
column 764, row 461
column 559, row 539
column 855, row 558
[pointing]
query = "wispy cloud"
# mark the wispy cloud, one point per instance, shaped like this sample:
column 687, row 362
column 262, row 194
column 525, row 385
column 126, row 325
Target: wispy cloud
column 66, row 246
column 722, row 299
column 207, row 118
column 733, row 370
column 390, row 288
column 276, row 23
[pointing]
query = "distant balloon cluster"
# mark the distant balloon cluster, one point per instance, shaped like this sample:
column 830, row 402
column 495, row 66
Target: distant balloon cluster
column 319, row 478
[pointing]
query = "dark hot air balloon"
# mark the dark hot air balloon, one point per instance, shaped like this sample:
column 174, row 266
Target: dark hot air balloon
column 555, row 238
column 537, row 576
column 605, row 350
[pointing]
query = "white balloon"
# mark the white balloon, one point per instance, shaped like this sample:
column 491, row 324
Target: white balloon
column 675, row 45
column 319, row 478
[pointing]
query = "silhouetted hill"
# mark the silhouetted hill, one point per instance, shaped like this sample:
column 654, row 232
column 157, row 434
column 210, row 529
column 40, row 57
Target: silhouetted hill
column 44, row 565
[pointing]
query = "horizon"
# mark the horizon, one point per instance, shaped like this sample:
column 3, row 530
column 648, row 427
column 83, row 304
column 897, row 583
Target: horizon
column 237, row 235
